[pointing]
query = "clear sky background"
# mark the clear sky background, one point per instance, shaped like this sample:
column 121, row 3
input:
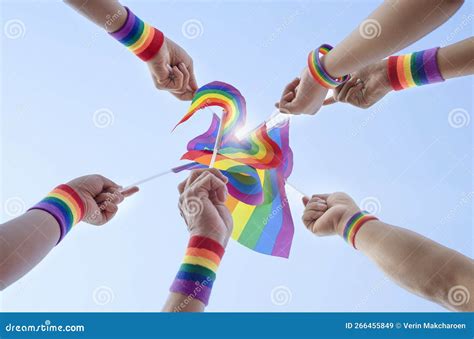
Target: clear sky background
column 402, row 158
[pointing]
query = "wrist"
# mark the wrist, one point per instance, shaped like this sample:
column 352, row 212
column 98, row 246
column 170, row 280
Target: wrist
column 345, row 217
column 142, row 39
column 197, row 273
column 220, row 237
column 65, row 205
column 413, row 69
column 318, row 68
column 353, row 224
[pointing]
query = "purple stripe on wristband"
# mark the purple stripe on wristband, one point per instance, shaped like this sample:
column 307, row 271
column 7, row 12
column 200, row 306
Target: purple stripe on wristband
column 56, row 213
column 126, row 28
column 191, row 289
column 430, row 64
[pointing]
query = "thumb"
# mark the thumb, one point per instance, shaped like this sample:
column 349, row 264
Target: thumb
column 305, row 200
column 209, row 182
column 162, row 72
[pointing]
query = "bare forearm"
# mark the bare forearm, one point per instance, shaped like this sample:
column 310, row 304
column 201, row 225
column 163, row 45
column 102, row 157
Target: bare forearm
column 457, row 60
column 177, row 302
column 416, row 263
column 391, row 27
column 25, row 241
column 109, row 14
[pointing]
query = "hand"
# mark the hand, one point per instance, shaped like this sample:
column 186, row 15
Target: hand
column 302, row 96
column 327, row 214
column 172, row 70
column 100, row 196
column 201, row 204
column 365, row 88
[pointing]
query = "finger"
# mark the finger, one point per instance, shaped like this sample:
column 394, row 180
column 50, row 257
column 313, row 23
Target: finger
column 192, row 80
column 107, row 197
column 161, row 74
column 208, row 182
column 317, row 206
column 310, row 217
column 185, row 85
column 215, row 172
column 183, row 96
column 324, row 196
column 290, row 88
column 156, row 83
column 291, row 107
column 350, row 96
column 110, row 212
column 111, row 208
column 329, row 101
column 305, row 200
column 178, row 78
column 128, row 192
column 345, row 88
column 197, row 173
column 289, row 96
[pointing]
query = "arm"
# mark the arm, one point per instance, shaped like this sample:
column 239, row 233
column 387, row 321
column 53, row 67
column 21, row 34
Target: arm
column 391, row 27
column 26, row 240
column 170, row 66
column 416, row 263
column 209, row 222
column 396, row 25
column 370, row 84
column 457, row 60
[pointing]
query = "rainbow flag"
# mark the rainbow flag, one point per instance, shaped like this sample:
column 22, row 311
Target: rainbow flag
column 225, row 96
column 257, row 167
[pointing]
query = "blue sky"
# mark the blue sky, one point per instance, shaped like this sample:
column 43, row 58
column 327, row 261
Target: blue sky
column 402, row 157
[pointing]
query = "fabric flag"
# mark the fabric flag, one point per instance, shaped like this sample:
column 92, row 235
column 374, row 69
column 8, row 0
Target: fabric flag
column 257, row 167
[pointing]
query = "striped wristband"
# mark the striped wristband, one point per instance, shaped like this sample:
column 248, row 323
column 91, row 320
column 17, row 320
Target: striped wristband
column 354, row 224
column 414, row 69
column 65, row 205
column 198, row 271
column 139, row 37
column 319, row 73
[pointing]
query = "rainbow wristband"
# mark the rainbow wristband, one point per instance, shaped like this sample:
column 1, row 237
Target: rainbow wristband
column 319, row 73
column 414, row 69
column 198, row 271
column 139, row 37
column 354, row 224
column 65, row 205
